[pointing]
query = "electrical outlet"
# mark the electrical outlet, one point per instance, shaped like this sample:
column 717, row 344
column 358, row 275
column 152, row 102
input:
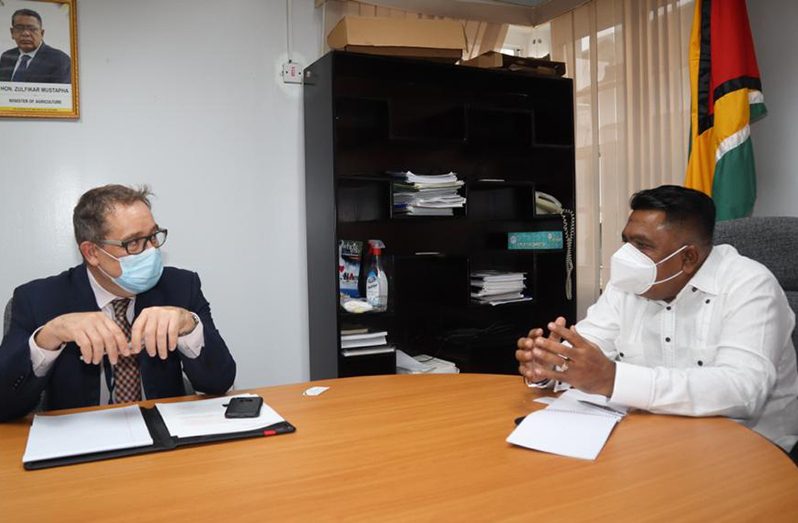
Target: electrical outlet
column 292, row 73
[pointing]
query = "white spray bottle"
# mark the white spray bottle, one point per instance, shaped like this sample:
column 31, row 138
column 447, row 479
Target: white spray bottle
column 377, row 280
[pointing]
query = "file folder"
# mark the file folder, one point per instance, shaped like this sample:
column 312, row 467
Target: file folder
column 162, row 440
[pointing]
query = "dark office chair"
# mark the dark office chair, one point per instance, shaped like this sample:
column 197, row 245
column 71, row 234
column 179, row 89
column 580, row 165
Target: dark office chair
column 773, row 242
column 6, row 326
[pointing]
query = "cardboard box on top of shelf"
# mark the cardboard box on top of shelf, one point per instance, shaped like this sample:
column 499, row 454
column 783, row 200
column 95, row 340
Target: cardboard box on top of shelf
column 536, row 66
column 440, row 40
column 486, row 60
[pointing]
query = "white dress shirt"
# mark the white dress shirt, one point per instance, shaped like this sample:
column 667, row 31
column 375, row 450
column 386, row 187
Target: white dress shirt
column 42, row 360
column 722, row 347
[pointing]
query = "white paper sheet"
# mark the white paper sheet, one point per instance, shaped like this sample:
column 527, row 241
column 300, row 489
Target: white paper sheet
column 86, row 432
column 577, row 401
column 206, row 417
column 564, row 433
column 315, row 391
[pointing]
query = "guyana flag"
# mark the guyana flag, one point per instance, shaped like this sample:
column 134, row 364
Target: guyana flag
column 726, row 95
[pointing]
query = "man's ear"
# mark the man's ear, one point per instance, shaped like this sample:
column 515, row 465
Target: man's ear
column 692, row 256
column 89, row 252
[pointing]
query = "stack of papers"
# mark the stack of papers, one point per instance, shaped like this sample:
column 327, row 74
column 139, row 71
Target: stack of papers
column 426, row 195
column 497, row 287
column 363, row 343
column 410, row 177
column 423, row 364
column 576, row 424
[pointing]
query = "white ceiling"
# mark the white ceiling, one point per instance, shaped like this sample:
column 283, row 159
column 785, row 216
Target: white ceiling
column 527, row 3
column 517, row 12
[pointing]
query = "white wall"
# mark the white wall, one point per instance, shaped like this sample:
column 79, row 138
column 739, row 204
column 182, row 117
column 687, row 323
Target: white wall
column 183, row 95
column 775, row 137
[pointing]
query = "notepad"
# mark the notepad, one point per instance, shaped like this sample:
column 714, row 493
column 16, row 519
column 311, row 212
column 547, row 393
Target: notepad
column 86, row 433
column 567, row 434
column 575, row 424
column 579, row 402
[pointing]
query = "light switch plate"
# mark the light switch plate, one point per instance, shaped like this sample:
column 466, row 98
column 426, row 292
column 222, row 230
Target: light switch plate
column 292, row 73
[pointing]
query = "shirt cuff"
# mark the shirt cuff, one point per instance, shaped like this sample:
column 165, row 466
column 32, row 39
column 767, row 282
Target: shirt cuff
column 634, row 386
column 191, row 344
column 42, row 359
column 542, row 384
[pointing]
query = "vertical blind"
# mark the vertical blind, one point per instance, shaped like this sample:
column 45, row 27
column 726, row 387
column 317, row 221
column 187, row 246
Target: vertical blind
column 629, row 63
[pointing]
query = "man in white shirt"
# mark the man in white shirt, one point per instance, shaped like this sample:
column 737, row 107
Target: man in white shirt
column 682, row 328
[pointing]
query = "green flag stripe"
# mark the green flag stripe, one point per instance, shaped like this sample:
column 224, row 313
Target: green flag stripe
column 734, row 183
column 757, row 111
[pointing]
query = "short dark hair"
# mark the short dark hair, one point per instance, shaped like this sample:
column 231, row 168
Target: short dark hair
column 88, row 218
column 27, row 12
column 682, row 207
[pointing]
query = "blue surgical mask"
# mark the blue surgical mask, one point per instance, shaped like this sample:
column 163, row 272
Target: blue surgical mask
column 140, row 272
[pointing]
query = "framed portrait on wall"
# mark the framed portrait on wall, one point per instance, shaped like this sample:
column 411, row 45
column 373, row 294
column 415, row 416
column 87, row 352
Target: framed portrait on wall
column 39, row 60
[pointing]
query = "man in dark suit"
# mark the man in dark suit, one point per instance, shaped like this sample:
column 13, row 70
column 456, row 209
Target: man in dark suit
column 120, row 327
column 33, row 60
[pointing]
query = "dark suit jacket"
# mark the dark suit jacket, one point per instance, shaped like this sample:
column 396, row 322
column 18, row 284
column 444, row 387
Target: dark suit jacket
column 49, row 66
column 72, row 383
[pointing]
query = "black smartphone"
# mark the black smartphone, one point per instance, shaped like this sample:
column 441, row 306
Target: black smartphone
column 245, row 407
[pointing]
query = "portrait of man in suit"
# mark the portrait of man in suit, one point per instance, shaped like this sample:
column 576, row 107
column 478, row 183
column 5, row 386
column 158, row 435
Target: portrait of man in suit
column 33, row 61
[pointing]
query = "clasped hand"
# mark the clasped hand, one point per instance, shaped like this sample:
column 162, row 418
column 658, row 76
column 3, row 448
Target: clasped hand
column 582, row 364
column 156, row 329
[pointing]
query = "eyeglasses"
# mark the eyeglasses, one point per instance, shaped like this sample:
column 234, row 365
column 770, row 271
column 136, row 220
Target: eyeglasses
column 28, row 28
column 137, row 245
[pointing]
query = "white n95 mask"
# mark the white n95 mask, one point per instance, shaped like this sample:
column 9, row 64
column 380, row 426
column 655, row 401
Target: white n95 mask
column 632, row 271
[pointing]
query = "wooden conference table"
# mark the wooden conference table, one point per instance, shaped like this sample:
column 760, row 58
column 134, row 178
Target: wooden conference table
column 416, row 448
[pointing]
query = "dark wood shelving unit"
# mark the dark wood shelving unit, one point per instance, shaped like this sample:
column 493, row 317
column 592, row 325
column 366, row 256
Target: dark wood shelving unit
column 504, row 134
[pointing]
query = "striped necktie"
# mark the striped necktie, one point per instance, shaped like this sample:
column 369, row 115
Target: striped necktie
column 19, row 74
column 127, row 378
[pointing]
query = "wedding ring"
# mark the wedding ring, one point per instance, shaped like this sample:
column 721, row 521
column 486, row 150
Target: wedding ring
column 564, row 367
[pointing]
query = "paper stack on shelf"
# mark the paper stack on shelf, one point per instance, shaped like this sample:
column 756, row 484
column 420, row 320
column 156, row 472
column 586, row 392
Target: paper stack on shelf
column 497, row 287
column 364, row 343
column 423, row 364
column 426, row 195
